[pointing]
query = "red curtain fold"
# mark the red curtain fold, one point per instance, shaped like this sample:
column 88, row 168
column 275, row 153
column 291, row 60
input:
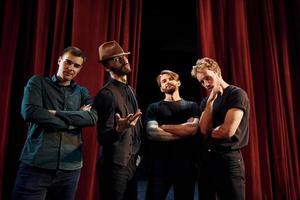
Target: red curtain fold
column 7, row 55
column 124, row 26
column 249, row 40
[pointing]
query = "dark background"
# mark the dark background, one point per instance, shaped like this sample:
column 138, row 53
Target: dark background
column 168, row 41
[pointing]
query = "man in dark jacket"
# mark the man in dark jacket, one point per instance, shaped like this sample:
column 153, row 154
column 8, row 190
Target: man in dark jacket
column 56, row 109
column 119, row 127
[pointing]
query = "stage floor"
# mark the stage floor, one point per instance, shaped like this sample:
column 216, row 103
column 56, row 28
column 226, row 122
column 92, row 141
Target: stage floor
column 142, row 185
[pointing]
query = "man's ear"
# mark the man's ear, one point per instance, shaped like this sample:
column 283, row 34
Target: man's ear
column 161, row 89
column 179, row 83
column 59, row 60
column 106, row 67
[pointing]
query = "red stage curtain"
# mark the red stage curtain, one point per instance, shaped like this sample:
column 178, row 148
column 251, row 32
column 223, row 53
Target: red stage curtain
column 256, row 42
column 33, row 33
column 250, row 41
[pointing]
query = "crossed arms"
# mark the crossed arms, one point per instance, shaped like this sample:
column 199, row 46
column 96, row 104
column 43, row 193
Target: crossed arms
column 169, row 132
column 232, row 120
column 34, row 111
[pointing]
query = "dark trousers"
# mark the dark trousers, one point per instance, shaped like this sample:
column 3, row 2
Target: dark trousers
column 165, row 173
column 222, row 176
column 33, row 183
column 117, row 182
column 158, row 189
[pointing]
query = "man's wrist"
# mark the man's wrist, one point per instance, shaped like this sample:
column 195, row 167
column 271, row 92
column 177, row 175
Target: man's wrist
column 52, row 112
column 118, row 129
column 210, row 102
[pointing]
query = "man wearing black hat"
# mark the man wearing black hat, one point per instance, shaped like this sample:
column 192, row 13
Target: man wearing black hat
column 119, row 127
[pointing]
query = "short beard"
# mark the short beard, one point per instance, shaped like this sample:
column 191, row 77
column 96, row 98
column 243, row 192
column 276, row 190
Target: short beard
column 170, row 90
column 121, row 70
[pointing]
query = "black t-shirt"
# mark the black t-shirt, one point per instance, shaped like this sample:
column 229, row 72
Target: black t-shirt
column 233, row 97
column 172, row 157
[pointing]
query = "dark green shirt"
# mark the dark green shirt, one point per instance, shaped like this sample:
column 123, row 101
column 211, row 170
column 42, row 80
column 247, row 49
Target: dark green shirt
column 55, row 141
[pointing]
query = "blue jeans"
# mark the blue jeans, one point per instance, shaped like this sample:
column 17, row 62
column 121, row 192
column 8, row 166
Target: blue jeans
column 33, row 183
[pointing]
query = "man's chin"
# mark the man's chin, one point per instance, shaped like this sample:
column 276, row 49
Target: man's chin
column 169, row 91
column 127, row 69
column 124, row 70
column 68, row 78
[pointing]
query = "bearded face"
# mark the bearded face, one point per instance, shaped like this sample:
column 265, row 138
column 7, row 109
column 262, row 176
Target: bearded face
column 168, row 84
column 169, row 88
column 121, row 70
column 119, row 65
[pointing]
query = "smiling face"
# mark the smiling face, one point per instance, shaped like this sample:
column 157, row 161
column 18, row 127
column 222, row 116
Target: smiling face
column 68, row 67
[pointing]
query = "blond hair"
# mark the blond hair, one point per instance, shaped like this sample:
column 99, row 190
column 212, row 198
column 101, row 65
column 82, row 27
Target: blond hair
column 207, row 63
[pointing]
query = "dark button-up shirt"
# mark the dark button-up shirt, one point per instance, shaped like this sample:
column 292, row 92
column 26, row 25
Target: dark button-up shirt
column 55, row 141
column 116, row 97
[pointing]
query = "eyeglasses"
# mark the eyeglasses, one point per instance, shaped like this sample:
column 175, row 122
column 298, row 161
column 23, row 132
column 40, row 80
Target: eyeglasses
column 118, row 58
column 70, row 62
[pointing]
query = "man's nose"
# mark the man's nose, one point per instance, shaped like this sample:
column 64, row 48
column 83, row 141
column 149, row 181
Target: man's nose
column 206, row 84
column 70, row 66
column 168, row 81
column 124, row 60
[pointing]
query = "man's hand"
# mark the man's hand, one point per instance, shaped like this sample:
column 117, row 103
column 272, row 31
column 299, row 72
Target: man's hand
column 186, row 129
column 52, row 112
column 86, row 107
column 216, row 90
column 128, row 121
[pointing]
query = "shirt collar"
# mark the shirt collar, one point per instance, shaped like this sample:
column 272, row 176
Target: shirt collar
column 55, row 80
column 118, row 83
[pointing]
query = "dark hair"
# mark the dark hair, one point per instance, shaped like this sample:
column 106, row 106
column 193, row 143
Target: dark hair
column 104, row 63
column 74, row 51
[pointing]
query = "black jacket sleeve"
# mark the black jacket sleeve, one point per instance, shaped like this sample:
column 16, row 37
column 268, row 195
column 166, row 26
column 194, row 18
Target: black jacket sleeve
column 105, row 106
